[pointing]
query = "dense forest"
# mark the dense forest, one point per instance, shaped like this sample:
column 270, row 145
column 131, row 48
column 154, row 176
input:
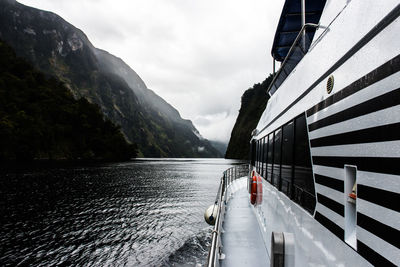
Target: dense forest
column 40, row 119
column 254, row 101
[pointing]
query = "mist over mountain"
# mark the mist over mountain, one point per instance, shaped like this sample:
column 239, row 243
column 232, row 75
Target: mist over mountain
column 220, row 146
column 59, row 49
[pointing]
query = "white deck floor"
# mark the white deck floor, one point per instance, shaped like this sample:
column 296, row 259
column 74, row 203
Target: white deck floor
column 242, row 240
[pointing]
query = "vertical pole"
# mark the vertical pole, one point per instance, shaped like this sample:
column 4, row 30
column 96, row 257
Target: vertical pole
column 303, row 22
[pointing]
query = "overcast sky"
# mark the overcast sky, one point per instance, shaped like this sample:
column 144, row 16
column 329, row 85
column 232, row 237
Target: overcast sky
column 199, row 55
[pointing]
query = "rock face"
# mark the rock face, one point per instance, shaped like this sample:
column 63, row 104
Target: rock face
column 59, row 49
column 254, row 101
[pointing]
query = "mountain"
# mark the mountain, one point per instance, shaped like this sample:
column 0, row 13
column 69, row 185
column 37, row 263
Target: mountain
column 40, row 119
column 220, row 146
column 59, row 49
column 254, row 101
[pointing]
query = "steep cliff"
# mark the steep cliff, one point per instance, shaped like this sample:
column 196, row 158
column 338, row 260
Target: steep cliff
column 254, row 101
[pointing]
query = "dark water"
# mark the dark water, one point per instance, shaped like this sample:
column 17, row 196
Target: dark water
column 140, row 213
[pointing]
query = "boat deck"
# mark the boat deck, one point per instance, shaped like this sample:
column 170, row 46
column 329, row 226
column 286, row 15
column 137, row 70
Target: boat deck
column 242, row 239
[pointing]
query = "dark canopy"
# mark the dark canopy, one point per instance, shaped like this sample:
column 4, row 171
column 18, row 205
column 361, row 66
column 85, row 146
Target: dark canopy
column 290, row 24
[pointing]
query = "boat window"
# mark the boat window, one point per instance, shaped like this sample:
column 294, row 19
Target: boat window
column 303, row 182
column 260, row 163
column 287, row 158
column 258, row 155
column 277, row 158
column 253, row 153
column 264, row 158
column 269, row 159
column 261, row 156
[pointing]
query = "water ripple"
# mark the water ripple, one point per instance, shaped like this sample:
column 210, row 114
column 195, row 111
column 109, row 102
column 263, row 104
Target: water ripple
column 141, row 213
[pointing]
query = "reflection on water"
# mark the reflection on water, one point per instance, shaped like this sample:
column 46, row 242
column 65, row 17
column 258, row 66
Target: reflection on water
column 140, row 213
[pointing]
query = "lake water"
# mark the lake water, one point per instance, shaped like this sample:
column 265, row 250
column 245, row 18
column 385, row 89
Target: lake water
column 139, row 213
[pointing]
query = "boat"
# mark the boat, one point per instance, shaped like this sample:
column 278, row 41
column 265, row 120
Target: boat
column 322, row 187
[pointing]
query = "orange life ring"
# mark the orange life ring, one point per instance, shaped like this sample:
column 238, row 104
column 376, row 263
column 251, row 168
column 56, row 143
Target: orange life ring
column 253, row 194
column 249, row 180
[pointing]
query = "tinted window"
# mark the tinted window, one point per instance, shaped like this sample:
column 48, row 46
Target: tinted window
column 270, row 153
column 303, row 192
column 287, row 158
column 256, row 159
column 264, row 158
column 277, row 158
column 253, row 153
column 258, row 156
column 261, row 153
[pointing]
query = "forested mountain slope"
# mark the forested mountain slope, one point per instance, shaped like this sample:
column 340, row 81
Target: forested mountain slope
column 40, row 119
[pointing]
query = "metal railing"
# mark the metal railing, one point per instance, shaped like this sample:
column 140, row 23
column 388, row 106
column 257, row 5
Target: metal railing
column 228, row 177
column 296, row 52
column 236, row 172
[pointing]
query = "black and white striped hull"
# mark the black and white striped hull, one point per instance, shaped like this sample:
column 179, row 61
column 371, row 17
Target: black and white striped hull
column 360, row 126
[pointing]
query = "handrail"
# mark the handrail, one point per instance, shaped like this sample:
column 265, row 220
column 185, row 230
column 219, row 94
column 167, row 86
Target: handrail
column 228, row 177
column 214, row 238
column 299, row 35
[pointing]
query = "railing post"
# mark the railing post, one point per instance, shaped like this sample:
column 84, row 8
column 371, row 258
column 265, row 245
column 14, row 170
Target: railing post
column 303, row 21
column 224, row 182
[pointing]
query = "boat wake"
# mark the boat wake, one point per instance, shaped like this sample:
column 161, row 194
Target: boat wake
column 193, row 252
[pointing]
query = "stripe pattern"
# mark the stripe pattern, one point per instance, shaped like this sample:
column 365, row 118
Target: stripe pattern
column 360, row 126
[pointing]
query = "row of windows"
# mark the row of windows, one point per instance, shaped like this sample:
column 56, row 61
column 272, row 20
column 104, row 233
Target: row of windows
column 283, row 158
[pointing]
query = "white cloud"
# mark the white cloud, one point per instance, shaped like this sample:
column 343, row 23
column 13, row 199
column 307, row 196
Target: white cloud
column 199, row 55
column 218, row 125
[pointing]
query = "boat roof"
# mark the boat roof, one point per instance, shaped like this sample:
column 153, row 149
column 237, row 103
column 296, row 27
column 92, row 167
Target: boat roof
column 290, row 24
